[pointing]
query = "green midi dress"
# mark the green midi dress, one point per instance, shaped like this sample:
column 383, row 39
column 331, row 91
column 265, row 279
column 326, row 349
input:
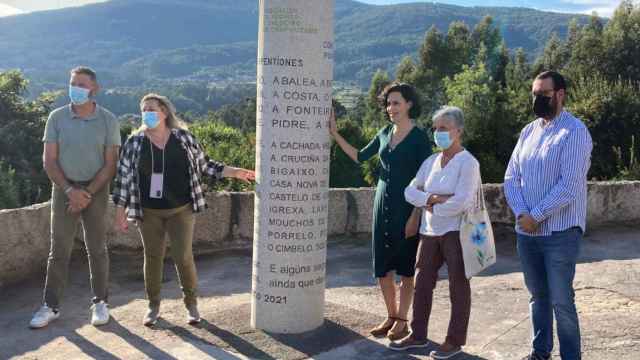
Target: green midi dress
column 398, row 166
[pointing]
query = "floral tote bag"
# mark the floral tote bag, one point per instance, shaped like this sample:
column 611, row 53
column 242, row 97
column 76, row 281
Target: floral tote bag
column 476, row 238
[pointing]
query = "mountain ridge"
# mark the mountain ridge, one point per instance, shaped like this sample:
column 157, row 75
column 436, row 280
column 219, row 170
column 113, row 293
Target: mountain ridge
column 132, row 42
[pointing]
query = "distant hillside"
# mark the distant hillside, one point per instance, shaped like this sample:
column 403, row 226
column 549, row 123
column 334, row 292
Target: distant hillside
column 137, row 42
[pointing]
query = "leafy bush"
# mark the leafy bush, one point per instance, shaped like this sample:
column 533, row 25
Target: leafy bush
column 21, row 127
column 228, row 145
column 611, row 111
column 630, row 170
column 8, row 187
column 344, row 171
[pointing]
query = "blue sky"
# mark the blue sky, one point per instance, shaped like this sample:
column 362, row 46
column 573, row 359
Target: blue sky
column 603, row 7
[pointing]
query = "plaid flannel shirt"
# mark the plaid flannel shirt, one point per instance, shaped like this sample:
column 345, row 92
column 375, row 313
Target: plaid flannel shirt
column 126, row 192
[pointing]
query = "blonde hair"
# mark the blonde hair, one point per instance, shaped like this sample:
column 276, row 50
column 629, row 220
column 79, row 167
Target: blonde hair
column 172, row 121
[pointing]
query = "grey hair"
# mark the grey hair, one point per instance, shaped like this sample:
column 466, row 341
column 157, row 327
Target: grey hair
column 452, row 113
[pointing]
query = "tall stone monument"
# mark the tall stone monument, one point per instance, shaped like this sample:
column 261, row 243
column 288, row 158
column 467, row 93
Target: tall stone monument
column 294, row 83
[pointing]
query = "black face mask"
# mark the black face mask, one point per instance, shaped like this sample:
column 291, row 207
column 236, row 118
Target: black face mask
column 542, row 106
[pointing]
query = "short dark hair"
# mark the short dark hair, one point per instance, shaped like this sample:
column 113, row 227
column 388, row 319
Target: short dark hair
column 559, row 83
column 408, row 93
column 85, row 70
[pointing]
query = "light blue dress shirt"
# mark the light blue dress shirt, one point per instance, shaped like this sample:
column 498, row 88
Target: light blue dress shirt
column 547, row 174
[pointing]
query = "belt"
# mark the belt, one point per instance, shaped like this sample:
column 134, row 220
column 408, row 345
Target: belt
column 80, row 183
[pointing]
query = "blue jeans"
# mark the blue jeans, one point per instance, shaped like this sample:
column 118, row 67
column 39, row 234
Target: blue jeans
column 549, row 266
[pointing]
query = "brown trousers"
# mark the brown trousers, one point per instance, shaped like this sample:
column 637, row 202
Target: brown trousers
column 433, row 251
column 63, row 230
column 178, row 223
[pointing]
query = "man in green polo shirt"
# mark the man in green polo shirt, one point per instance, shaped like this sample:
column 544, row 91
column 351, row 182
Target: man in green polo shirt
column 81, row 144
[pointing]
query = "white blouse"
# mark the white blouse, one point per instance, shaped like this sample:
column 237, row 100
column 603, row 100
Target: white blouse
column 459, row 178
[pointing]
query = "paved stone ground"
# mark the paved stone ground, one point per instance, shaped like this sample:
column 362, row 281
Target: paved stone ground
column 607, row 293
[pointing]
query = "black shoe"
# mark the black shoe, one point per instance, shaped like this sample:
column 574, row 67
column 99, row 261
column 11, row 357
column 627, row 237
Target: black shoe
column 534, row 356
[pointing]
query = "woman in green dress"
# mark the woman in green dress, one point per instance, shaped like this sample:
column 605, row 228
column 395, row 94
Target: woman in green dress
column 401, row 147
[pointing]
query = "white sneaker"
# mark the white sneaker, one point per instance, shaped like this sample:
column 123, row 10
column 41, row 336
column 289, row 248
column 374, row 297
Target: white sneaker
column 99, row 314
column 151, row 317
column 193, row 316
column 43, row 317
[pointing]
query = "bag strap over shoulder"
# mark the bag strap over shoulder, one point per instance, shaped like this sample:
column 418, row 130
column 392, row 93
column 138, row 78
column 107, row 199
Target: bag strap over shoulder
column 480, row 201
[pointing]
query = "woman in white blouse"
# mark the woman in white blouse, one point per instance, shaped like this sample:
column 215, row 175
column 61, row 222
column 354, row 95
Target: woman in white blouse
column 445, row 187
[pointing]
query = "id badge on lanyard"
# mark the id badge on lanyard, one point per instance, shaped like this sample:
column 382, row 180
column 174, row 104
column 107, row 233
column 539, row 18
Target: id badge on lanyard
column 157, row 179
column 155, row 190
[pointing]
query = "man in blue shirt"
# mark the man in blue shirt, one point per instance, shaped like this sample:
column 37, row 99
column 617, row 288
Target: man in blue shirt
column 546, row 187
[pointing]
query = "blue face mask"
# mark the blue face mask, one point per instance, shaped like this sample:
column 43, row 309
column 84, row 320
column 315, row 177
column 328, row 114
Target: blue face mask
column 150, row 119
column 78, row 95
column 442, row 139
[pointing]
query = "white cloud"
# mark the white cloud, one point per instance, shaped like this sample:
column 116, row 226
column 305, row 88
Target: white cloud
column 6, row 10
column 590, row 2
column 601, row 11
column 39, row 5
column 604, row 8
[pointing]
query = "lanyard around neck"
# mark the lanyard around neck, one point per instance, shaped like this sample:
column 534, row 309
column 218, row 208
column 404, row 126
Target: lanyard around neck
column 153, row 163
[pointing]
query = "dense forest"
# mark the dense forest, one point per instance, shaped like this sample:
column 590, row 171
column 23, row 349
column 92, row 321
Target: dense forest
column 166, row 45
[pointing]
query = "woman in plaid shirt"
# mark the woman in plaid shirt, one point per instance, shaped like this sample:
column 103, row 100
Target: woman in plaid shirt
column 158, row 186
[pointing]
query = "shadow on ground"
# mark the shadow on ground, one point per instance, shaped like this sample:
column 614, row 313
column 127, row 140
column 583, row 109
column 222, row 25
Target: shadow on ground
column 227, row 325
column 615, row 243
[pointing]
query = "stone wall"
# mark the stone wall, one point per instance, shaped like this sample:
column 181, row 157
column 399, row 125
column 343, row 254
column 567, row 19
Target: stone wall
column 228, row 223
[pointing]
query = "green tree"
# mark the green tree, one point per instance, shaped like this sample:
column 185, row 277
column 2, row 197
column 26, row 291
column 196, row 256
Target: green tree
column 488, row 48
column 229, row 145
column 344, row 171
column 587, row 52
column 241, row 115
column 573, row 33
column 554, row 56
column 503, row 59
column 518, row 91
column 374, row 115
column 485, row 32
column 621, row 42
column 340, row 110
column 432, row 68
column 628, row 170
column 406, row 70
column 459, row 47
column 8, row 188
column 433, row 54
column 488, row 132
column 359, row 111
column 611, row 111
column 21, row 129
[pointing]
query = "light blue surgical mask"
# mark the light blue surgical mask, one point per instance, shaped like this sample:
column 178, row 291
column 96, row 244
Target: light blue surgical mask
column 150, row 119
column 442, row 139
column 78, row 95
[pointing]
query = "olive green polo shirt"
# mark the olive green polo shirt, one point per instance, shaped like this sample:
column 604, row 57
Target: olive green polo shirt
column 81, row 141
